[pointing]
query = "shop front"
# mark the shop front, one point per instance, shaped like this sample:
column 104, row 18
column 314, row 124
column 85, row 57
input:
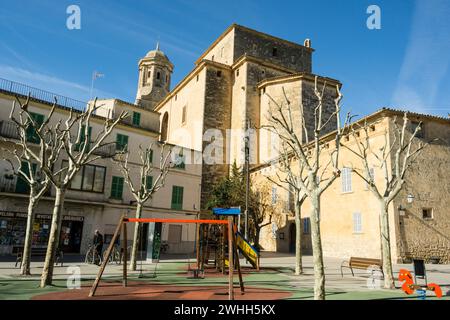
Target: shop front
column 13, row 226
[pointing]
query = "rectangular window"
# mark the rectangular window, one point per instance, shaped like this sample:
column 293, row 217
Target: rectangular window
column 136, row 118
column 79, row 146
column 183, row 115
column 149, row 182
column 177, row 198
column 274, row 195
column 427, row 213
column 371, row 177
column 117, row 187
column 31, row 132
column 346, row 179
column 121, row 142
column 274, row 52
column 306, row 226
column 357, row 222
column 99, row 179
column 89, row 178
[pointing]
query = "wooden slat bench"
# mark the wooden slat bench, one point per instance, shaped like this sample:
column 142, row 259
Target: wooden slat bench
column 37, row 252
column 362, row 263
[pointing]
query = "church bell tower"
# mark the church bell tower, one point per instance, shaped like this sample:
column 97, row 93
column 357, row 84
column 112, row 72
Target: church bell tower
column 155, row 71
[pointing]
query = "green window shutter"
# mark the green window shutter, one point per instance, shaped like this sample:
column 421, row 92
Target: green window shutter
column 149, row 183
column 31, row 132
column 79, row 146
column 121, row 142
column 177, row 198
column 117, row 187
column 136, row 118
column 151, row 156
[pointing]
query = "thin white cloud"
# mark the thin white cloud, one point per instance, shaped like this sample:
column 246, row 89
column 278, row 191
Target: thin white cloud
column 50, row 83
column 427, row 59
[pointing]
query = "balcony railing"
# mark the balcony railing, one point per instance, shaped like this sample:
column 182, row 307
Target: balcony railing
column 42, row 95
column 107, row 150
column 8, row 183
column 8, row 129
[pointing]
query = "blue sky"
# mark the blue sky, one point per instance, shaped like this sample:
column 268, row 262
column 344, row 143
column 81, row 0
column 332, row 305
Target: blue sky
column 403, row 65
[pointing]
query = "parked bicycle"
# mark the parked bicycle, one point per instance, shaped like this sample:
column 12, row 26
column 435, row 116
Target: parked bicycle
column 115, row 256
column 93, row 256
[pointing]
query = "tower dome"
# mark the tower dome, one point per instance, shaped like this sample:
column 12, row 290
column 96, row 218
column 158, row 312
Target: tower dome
column 155, row 71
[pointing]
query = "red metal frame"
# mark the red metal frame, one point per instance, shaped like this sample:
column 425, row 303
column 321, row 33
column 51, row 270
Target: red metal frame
column 146, row 220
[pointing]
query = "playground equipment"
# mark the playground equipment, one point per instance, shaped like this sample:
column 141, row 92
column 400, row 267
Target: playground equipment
column 230, row 236
column 250, row 253
column 409, row 286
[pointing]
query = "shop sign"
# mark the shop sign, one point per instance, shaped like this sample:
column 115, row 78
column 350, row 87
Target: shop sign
column 12, row 214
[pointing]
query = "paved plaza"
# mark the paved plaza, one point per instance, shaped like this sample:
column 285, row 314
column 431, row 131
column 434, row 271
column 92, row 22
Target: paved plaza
column 276, row 274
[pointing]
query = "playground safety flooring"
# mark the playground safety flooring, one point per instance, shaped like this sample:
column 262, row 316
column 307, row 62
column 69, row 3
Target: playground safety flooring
column 275, row 281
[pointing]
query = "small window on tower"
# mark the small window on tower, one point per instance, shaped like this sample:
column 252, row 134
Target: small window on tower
column 158, row 75
column 212, row 58
column 427, row 213
column 167, row 78
column 183, row 115
column 237, row 73
column 219, row 73
column 274, row 52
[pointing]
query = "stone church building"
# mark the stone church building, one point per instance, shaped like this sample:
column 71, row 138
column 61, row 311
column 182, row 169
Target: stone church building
column 231, row 88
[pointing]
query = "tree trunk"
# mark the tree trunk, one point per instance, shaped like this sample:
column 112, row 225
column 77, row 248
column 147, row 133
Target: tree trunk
column 136, row 238
column 26, row 255
column 257, row 231
column 53, row 241
column 319, row 271
column 386, row 247
column 298, row 238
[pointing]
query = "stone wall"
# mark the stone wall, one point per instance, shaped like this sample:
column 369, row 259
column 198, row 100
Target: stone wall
column 429, row 182
column 217, row 115
column 286, row 54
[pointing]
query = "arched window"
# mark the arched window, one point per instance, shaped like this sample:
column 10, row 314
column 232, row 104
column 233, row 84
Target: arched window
column 164, row 127
column 158, row 75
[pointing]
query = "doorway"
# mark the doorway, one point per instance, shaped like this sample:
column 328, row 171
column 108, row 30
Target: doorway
column 71, row 233
column 292, row 236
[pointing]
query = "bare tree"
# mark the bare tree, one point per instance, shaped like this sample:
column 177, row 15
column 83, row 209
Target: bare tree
column 24, row 152
column 289, row 177
column 80, row 150
column 145, row 187
column 311, row 154
column 263, row 212
column 394, row 158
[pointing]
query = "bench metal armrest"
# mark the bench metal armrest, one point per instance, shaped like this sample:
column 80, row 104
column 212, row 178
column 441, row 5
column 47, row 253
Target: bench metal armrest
column 345, row 264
